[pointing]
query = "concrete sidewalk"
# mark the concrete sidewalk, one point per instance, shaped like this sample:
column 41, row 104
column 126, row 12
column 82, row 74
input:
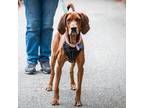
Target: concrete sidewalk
column 104, row 76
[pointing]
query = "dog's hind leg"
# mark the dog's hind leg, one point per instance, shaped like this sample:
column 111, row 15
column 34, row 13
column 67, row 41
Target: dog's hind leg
column 72, row 82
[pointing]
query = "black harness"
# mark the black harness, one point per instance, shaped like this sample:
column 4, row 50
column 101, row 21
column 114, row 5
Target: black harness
column 71, row 52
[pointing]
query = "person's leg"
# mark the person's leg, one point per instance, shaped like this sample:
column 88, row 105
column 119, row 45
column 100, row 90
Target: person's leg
column 48, row 12
column 33, row 18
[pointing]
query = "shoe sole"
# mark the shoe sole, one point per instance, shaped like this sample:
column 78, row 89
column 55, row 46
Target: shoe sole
column 30, row 72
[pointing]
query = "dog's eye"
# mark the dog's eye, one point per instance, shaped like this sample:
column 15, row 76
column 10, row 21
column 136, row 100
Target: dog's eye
column 68, row 20
column 78, row 20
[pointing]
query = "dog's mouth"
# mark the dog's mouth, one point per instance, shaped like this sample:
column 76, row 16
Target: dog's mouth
column 73, row 38
column 73, row 34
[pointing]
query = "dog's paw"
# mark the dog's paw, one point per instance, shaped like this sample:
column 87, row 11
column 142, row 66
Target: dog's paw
column 49, row 88
column 55, row 101
column 78, row 103
column 73, row 87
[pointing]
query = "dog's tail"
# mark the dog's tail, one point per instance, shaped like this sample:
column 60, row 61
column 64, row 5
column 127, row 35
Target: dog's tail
column 70, row 5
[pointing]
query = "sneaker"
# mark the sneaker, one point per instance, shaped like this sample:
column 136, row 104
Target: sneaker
column 30, row 69
column 45, row 67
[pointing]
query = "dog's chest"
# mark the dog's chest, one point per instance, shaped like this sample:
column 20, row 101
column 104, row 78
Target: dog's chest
column 70, row 52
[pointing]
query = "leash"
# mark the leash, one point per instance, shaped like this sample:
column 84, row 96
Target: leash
column 64, row 7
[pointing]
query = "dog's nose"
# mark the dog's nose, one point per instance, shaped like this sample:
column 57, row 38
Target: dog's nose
column 74, row 29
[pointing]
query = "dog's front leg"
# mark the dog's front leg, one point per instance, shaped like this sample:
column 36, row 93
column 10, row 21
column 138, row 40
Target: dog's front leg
column 78, row 91
column 60, row 62
column 52, row 74
column 79, row 81
column 72, row 82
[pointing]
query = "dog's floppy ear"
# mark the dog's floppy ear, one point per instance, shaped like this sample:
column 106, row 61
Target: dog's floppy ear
column 85, row 23
column 62, row 24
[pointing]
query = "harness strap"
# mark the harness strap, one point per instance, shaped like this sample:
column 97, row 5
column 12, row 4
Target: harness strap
column 72, row 50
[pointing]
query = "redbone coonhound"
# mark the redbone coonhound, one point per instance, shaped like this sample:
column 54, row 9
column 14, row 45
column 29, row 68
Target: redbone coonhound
column 68, row 46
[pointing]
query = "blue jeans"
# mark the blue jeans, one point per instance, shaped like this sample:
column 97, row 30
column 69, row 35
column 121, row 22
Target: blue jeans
column 39, row 16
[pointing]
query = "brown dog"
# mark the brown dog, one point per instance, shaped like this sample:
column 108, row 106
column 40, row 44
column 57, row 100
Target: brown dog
column 68, row 45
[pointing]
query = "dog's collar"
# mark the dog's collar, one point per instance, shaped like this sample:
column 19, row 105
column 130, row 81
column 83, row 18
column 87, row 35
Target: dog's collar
column 77, row 45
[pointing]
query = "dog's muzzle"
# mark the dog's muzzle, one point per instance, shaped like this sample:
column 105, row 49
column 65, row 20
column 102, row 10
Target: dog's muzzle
column 73, row 31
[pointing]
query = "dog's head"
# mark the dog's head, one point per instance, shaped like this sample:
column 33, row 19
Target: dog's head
column 73, row 23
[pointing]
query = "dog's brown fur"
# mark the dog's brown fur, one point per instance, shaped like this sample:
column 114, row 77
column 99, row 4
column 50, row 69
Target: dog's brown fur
column 59, row 56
